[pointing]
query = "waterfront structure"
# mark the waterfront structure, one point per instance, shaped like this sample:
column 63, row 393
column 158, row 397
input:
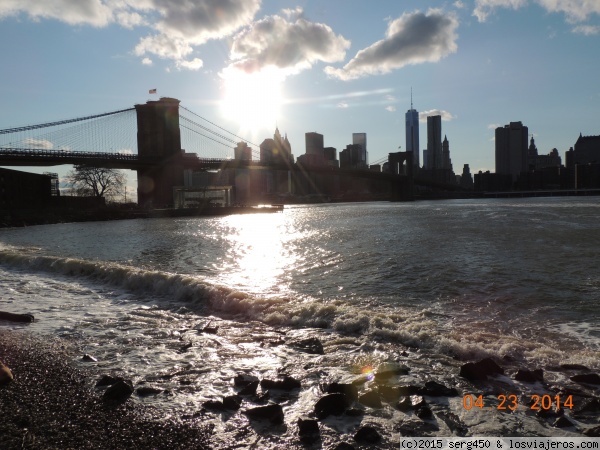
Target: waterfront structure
column 466, row 179
column 412, row 133
column 585, row 151
column 361, row 139
column 330, row 154
column 351, row 157
column 511, row 149
column 434, row 143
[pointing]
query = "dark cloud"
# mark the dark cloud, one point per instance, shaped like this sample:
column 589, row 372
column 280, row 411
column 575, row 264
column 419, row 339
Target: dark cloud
column 413, row 38
column 291, row 46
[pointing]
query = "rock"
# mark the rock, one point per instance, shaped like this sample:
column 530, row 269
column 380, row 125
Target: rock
column 343, row 446
column 287, row 383
column 232, row 402
column 416, row 428
column 412, row 403
column 118, row 392
column 424, row 412
column 331, row 404
column 107, row 380
column 185, row 348
column 587, row 378
column 390, row 372
column 435, row 389
column 573, row 367
column 592, row 405
column 308, row 430
column 273, row 413
column 6, row 375
column 342, row 388
column 243, row 380
column 25, row 318
column 370, row 398
column 310, row 345
column 480, row 370
column 249, row 389
column 454, row 423
column 592, row 432
column 367, row 435
column 88, row 358
column 529, row 376
column 147, row 391
column 354, row 412
column 404, row 404
column 562, row 422
column 408, row 390
column 213, row 405
column 389, row 394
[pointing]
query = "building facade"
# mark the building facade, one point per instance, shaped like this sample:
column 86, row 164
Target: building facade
column 434, row 143
column 412, row 134
column 361, row 139
column 276, row 151
column 511, row 149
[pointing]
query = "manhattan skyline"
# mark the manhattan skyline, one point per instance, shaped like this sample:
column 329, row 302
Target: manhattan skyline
column 334, row 68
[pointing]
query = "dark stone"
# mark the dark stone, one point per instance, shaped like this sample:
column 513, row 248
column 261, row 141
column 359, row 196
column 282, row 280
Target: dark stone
column 370, row 398
column 592, row 405
column 587, row 378
column 550, row 413
column 118, row 392
column 424, row 412
column 232, row 402
column 342, row 388
column 453, row 422
column 243, row 380
column 562, row 422
column 12, row 317
column 416, row 428
column 417, row 401
column 308, row 429
column 435, row 389
column 592, row 432
column 88, row 358
column 389, row 393
column 310, row 345
column 343, row 446
column 389, row 373
column 185, row 348
column 210, row 330
column 107, row 380
column 354, row 412
column 249, row 389
column 404, row 404
column 408, row 390
column 529, row 376
column 287, row 383
column 273, row 413
column 367, row 435
column 573, row 367
column 331, row 404
column 412, row 403
column 480, row 370
column 146, row 391
column 213, row 405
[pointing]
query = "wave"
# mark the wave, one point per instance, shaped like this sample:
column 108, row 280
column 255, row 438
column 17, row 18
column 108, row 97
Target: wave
column 416, row 327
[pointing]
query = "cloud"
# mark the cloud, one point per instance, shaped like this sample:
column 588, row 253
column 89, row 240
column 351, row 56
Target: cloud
column 176, row 26
column 413, row 38
column 291, row 46
column 194, row 64
column 343, row 105
column 147, row 61
column 574, row 10
column 42, row 144
column 390, row 108
column 446, row 116
column 588, row 30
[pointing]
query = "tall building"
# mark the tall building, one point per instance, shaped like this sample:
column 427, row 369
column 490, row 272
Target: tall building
column 361, row 139
column 277, row 150
column 314, row 143
column 434, row 142
column 412, row 133
column 243, row 152
column 446, row 161
column 511, row 149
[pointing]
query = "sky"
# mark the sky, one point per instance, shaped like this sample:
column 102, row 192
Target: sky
column 335, row 67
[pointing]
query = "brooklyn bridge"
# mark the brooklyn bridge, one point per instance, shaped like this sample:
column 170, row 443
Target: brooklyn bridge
column 166, row 144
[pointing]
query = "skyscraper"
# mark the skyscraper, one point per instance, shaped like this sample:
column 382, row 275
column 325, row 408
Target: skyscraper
column 361, row 139
column 412, row 133
column 511, row 149
column 434, row 142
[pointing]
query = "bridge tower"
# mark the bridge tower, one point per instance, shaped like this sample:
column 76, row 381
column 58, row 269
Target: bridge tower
column 159, row 150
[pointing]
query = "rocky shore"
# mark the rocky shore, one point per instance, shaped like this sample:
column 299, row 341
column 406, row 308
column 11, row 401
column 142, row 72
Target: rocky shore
column 52, row 405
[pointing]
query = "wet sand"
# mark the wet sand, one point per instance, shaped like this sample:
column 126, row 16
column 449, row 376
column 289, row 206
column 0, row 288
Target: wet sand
column 53, row 405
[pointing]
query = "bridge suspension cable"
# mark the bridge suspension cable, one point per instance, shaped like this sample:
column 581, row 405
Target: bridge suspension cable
column 60, row 122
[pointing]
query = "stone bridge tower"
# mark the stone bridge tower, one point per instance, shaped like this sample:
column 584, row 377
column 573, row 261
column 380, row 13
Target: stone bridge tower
column 159, row 151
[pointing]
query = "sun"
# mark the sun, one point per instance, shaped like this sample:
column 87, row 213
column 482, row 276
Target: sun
column 252, row 100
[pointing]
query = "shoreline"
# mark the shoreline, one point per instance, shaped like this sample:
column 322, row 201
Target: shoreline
column 52, row 404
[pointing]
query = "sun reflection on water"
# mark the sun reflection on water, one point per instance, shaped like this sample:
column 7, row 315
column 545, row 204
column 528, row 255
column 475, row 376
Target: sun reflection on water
column 262, row 253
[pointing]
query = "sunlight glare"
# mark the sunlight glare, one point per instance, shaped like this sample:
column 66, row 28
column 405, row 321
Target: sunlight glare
column 252, row 100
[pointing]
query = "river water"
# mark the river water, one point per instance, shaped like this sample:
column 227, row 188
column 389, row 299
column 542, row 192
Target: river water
column 427, row 285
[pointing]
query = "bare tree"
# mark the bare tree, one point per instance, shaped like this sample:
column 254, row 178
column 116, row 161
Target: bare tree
column 96, row 181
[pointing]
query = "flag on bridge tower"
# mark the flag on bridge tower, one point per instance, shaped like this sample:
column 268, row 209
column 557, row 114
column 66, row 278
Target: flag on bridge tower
column 152, row 91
